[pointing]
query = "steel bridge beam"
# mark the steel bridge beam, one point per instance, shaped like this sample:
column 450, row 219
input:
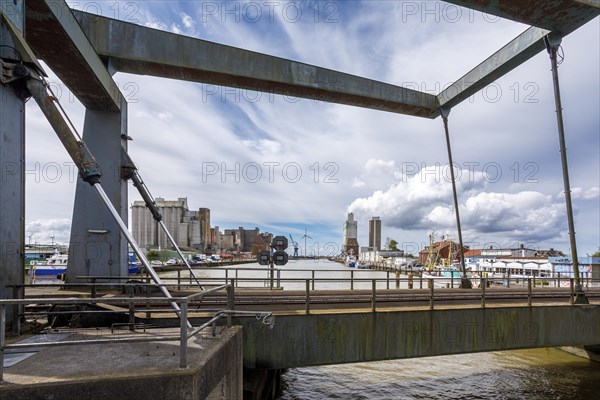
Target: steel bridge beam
column 515, row 53
column 145, row 51
column 560, row 16
column 56, row 37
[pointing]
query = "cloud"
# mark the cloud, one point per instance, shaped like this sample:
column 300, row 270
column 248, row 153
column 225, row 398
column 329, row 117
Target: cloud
column 424, row 202
column 44, row 231
column 264, row 146
column 578, row 193
column 370, row 159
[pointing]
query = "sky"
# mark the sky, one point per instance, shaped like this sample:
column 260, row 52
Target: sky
column 287, row 164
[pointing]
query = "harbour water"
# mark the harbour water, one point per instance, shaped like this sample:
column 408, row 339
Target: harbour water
column 538, row 374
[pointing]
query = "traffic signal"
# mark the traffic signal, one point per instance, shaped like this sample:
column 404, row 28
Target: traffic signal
column 263, row 257
column 280, row 257
column 279, row 244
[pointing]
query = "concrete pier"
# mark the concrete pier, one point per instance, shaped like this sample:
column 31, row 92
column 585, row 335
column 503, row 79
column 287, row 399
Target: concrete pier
column 130, row 371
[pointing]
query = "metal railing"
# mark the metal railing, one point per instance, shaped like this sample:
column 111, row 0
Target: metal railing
column 184, row 334
column 274, row 277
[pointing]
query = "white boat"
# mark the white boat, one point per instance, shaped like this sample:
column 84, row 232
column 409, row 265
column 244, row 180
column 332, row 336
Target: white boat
column 350, row 261
column 53, row 266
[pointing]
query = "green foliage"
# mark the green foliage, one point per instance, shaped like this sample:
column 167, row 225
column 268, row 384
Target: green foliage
column 394, row 245
column 152, row 255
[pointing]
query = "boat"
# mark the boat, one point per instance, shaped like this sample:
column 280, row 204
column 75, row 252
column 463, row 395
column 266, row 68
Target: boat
column 56, row 265
column 134, row 264
column 362, row 265
column 53, row 266
column 350, row 261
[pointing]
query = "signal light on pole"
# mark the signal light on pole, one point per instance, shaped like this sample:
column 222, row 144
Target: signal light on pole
column 263, row 257
column 279, row 244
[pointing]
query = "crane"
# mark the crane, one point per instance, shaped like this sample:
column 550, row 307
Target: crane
column 295, row 244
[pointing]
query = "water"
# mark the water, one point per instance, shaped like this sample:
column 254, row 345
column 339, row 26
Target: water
column 537, row 374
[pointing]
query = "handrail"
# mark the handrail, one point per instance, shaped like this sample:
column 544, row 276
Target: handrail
column 185, row 333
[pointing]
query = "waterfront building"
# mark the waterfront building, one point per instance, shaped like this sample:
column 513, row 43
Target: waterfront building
column 188, row 228
column 375, row 233
column 350, row 231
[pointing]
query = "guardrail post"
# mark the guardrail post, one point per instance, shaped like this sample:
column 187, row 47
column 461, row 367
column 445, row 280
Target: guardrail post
column 430, row 293
column 18, row 310
column 558, row 283
column 183, row 338
column 533, row 278
column 148, row 314
column 236, row 276
column 93, row 289
column 374, row 295
column 451, row 279
column 421, row 281
column 397, row 279
column 131, row 290
column 313, row 279
column 529, row 294
column 308, row 296
column 388, row 280
column 351, row 280
column 571, row 292
column 483, row 286
column 230, row 300
column 587, row 280
column 2, row 339
column 226, row 275
column 278, row 278
column 178, row 279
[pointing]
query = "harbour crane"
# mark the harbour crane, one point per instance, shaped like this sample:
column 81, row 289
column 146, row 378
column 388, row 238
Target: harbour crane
column 295, row 244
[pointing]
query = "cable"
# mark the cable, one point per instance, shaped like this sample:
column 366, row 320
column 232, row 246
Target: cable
column 17, row 52
column 560, row 53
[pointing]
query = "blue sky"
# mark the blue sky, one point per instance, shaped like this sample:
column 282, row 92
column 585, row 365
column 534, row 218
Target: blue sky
column 284, row 163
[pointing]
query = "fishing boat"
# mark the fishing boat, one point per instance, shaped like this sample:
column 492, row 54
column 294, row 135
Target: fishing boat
column 350, row 261
column 55, row 265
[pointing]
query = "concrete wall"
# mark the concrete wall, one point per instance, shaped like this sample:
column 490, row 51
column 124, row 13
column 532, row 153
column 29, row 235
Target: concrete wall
column 320, row 339
column 129, row 371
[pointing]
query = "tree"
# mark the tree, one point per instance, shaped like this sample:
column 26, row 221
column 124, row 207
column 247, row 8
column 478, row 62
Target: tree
column 391, row 244
column 596, row 254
